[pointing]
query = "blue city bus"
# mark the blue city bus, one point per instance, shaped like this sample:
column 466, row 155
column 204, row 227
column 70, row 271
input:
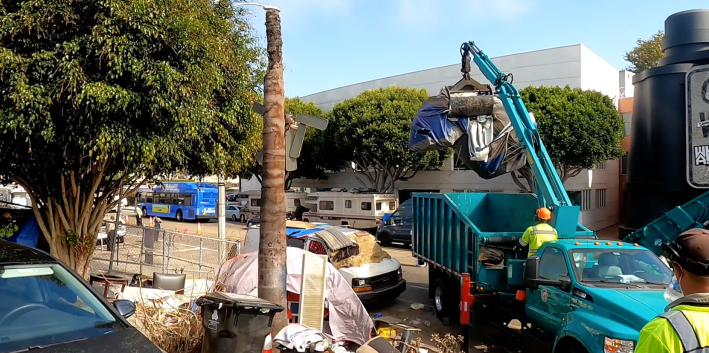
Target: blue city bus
column 179, row 200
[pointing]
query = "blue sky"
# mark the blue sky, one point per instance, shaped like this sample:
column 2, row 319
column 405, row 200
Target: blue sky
column 333, row 43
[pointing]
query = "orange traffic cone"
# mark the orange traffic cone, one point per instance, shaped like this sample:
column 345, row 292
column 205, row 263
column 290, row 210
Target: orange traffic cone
column 199, row 228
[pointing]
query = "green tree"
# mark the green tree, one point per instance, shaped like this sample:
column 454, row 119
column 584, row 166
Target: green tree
column 372, row 130
column 102, row 94
column 646, row 54
column 579, row 128
column 308, row 166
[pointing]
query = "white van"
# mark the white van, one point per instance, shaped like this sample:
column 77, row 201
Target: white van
column 372, row 273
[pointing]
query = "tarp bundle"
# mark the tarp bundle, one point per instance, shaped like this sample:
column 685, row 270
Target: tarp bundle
column 476, row 126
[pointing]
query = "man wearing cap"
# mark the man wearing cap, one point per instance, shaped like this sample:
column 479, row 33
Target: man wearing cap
column 536, row 236
column 684, row 327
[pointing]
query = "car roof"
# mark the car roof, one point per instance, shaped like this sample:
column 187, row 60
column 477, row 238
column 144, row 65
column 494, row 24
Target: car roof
column 13, row 253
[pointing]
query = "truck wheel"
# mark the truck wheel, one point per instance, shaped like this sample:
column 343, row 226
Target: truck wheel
column 446, row 299
column 384, row 239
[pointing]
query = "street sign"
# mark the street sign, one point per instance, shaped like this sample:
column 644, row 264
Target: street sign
column 698, row 127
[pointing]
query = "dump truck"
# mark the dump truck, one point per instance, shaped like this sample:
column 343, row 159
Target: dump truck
column 579, row 294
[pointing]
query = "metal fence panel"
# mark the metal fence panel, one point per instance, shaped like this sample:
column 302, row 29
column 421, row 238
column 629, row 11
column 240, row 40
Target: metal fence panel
column 144, row 250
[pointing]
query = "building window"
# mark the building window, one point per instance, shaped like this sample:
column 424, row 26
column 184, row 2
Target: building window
column 348, row 203
column 601, row 166
column 624, row 164
column 366, row 206
column 327, row 205
column 581, row 198
column 601, row 198
column 628, row 119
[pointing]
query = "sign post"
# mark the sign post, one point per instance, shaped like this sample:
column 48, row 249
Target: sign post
column 698, row 127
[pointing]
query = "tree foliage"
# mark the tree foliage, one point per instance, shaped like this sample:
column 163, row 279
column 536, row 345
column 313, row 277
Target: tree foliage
column 372, row 130
column 579, row 128
column 646, row 54
column 308, row 166
column 98, row 94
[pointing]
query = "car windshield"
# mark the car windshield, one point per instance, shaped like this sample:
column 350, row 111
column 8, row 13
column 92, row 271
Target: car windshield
column 619, row 266
column 45, row 304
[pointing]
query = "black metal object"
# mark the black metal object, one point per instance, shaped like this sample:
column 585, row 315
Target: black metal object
column 657, row 166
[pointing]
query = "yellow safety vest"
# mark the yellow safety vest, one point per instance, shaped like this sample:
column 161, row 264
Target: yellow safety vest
column 685, row 328
column 537, row 235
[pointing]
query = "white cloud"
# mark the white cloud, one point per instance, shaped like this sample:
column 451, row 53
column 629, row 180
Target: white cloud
column 458, row 14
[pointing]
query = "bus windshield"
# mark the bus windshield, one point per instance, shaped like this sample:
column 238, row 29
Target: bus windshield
column 619, row 266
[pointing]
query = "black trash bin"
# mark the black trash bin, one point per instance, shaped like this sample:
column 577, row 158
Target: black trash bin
column 235, row 323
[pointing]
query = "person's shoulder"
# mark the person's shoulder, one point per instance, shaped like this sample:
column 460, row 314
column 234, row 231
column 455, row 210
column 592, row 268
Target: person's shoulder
column 658, row 336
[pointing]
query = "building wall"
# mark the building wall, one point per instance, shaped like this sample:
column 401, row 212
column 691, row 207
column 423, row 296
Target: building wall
column 551, row 67
column 598, row 75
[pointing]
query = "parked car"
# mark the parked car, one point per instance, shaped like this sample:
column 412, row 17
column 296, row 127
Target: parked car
column 253, row 221
column 44, row 304
column 374, row 281
column 233, row 213
column 396, row 227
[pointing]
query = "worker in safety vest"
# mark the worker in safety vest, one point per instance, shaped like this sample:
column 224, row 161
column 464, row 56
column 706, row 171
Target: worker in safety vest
column 537, row 235
column 684, row 327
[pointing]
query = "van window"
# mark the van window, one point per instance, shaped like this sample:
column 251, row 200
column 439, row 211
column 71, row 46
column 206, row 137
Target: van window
column 327, row 205
column 379, row 206
column 392, row 205
column 366, row 206
column 348, row 203
column 255, row 202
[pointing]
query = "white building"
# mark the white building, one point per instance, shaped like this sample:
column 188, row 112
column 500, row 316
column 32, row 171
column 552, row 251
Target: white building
column 575, row 65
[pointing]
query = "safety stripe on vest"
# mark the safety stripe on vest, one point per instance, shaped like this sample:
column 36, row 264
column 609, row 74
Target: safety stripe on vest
column 536, row 231
column 686, row 332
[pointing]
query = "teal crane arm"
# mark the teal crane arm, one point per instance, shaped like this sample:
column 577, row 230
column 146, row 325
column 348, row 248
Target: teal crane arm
column 550, row 189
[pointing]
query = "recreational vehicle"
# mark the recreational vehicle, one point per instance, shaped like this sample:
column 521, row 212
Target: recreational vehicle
column 249, row 203
column 351, row 209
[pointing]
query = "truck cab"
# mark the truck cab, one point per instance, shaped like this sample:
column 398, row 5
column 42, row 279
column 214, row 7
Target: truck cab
column 593, row 295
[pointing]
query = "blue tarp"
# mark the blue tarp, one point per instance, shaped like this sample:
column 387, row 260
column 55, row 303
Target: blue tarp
column 432, row 130
column 28, row 235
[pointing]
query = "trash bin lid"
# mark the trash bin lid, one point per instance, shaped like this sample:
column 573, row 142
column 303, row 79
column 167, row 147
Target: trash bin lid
column 241, row 301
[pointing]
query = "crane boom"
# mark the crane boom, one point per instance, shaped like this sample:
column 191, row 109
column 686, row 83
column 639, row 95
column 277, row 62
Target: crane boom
column 550, row 189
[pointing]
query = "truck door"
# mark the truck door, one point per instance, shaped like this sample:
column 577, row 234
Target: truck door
column 547, row 305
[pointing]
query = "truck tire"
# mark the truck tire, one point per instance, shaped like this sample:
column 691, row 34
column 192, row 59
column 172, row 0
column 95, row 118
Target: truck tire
column 446, row 300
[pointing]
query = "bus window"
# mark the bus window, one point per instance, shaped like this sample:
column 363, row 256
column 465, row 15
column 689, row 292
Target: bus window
column 149, row 199
column 187, row 200
column 177, row 202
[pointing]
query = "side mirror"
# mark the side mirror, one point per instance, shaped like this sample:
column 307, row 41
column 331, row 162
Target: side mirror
column 531, row 273
column 125, row 307
column 532, row 280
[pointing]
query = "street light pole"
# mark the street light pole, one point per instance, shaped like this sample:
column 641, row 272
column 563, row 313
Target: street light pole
column 272, row 244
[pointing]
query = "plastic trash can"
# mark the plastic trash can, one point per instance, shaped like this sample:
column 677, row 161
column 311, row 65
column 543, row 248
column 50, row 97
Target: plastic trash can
column 235, row 323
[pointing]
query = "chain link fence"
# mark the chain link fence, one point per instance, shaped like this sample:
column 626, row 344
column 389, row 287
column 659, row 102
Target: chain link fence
column 144, row 250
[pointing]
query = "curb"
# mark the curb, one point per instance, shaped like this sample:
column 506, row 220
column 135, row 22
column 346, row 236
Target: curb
column 410, row 264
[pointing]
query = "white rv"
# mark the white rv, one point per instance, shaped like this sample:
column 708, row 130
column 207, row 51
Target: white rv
column 351, row 209
column 249, row 203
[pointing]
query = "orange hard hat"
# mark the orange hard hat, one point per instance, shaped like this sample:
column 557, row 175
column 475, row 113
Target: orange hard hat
column 544, row 214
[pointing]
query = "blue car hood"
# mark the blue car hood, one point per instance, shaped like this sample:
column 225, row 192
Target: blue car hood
column 633, row 308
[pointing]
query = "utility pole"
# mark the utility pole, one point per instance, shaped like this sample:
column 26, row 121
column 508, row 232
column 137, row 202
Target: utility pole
column 272, row 249
column 221, row 216
column 114, row 239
